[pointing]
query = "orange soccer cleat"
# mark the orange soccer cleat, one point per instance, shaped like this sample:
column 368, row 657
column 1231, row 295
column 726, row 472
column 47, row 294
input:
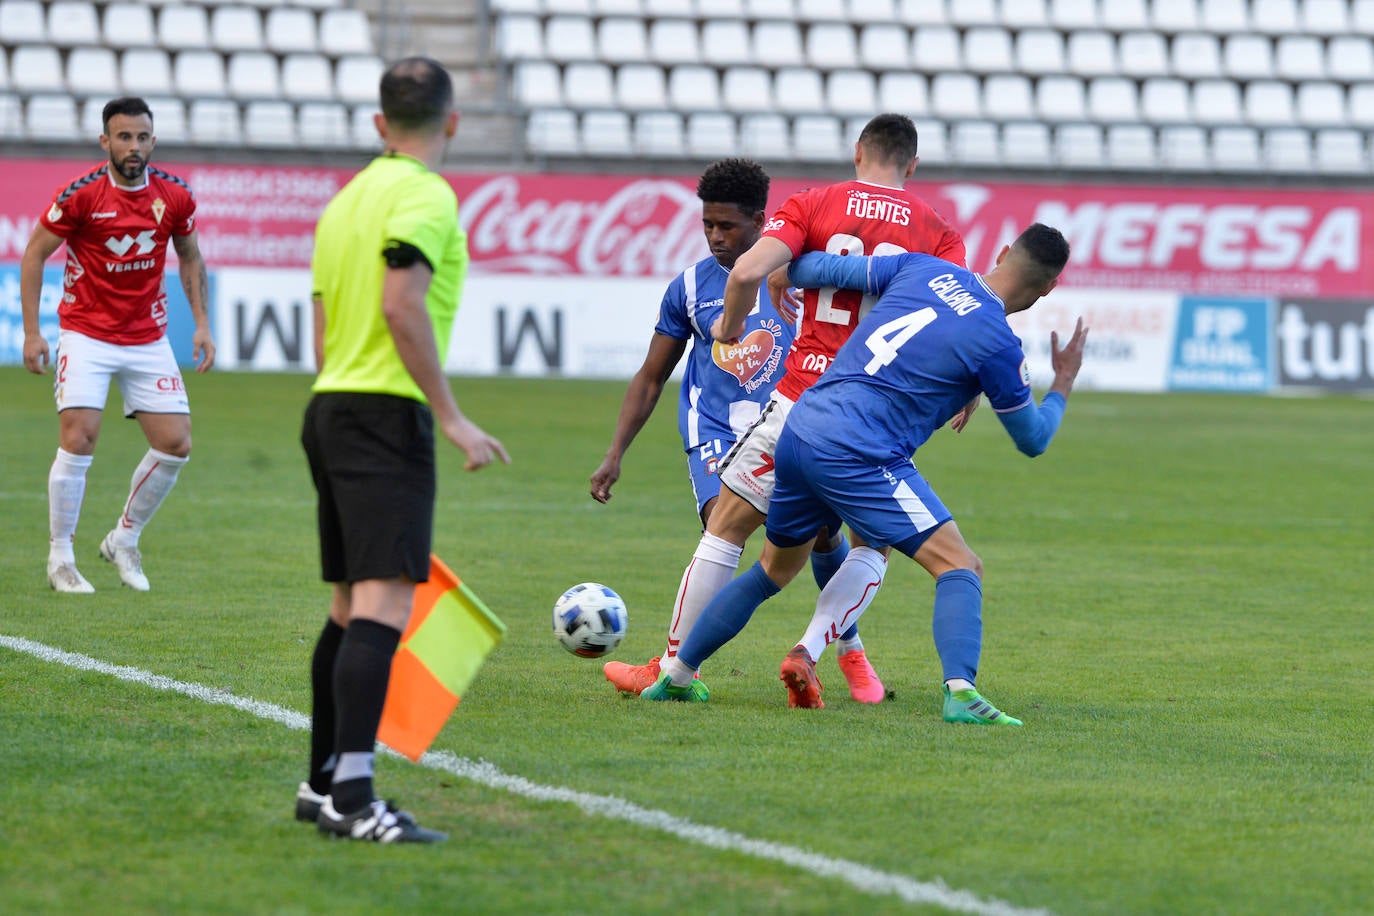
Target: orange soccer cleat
column 798, row 672
column 632, row 678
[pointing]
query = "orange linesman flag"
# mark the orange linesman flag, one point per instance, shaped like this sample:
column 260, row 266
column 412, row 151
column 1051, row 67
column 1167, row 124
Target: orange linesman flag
column 449, row 635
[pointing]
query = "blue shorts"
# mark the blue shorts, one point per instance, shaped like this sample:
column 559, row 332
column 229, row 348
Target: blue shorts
column 702, row 462
column 888, row 505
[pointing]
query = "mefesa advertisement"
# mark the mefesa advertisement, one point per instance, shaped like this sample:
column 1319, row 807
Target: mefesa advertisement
column 1185, row 288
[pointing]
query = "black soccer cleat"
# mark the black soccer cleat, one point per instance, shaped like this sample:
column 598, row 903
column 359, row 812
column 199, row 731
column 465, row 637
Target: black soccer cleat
column 379, row 822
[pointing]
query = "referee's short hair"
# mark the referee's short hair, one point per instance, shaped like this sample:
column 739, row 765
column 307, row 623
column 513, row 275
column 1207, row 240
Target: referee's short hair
column 741, row 182
column 891, row 137
column 130, row 105
column 416, row 94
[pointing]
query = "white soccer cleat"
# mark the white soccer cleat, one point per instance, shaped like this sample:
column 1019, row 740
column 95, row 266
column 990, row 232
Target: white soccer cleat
column 64, row 577
column 127, row 560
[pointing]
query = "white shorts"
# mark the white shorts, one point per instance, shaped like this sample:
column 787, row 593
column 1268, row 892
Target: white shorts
column 747, row 469
column 147, row 375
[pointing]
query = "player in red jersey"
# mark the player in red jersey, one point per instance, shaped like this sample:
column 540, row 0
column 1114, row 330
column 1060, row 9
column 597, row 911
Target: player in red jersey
column 871, row 214
column 116, row 221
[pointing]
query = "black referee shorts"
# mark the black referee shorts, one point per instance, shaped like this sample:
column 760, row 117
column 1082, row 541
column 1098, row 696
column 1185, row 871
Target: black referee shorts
column 372, row 459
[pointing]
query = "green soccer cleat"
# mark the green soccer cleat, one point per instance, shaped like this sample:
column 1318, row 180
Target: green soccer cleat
column 665, row 689
column 970, row 706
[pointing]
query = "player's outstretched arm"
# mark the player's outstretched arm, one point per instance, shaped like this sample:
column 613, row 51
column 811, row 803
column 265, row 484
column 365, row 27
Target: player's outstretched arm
column 640, row 399
column 41, row 246
column 816, row 269
column 1031, row 427
column 196, row 283
column 403, row 306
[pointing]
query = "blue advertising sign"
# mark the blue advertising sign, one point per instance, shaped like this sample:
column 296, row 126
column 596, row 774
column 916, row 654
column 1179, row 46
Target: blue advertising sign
column 1221, row 344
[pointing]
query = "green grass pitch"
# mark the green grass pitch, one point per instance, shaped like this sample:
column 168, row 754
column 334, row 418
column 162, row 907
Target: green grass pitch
column 1177, row 603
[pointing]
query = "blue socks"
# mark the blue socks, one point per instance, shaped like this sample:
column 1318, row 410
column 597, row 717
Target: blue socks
column 958, row 623
column 726, row 614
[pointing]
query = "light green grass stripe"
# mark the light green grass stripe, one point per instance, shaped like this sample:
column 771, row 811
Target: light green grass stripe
column 866, row 879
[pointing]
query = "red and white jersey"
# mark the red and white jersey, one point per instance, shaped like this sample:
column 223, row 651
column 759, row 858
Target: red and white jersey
column 114, row 286
column 853, row 217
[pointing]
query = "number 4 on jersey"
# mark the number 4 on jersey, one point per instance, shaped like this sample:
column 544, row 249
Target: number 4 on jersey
column 889, row 337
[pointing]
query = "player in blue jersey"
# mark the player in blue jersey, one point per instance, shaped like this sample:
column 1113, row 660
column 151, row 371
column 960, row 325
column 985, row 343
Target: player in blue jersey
column 936, row 338
column 724, row 387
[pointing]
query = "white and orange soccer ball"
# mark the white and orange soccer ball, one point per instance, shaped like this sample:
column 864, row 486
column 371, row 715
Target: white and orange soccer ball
column 590, row 620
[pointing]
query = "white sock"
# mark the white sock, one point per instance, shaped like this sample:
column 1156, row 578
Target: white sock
column 66, row 489
column 957, row 683
column 152, row 481
column 712, row 567
column 678, row 671
column 844, row 598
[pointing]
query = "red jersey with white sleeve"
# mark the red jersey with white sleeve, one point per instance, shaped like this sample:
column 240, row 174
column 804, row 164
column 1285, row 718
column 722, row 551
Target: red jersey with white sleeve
column 114, row 288
column 852, row 217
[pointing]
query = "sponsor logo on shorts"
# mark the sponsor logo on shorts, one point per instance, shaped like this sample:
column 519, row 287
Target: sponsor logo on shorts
column 169, row 384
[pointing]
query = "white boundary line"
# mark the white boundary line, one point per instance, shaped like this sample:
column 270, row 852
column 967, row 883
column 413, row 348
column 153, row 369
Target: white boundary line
column 861, row 877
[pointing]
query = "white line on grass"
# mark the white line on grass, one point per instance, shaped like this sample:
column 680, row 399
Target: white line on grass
column 868, row 880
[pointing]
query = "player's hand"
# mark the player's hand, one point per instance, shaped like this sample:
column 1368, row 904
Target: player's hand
column 1068, row 360
column 203, row 350
column 718, row 331
column 35, row 353
column 604, row 477
column 963, row 416
column 480, row 447
column 786, row 298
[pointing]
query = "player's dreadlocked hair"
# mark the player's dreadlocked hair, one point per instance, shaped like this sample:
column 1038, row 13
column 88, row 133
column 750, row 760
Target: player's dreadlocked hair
column 1046, row 251
column 891, row 137
column 416, row 93
column 741, row 182
column 124, row 105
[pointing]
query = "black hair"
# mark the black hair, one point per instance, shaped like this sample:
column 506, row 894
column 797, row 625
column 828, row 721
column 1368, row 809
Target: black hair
column 741, row 182
column 890, row 137
column 416, row 93
column 1046, row 251
column 130, row 105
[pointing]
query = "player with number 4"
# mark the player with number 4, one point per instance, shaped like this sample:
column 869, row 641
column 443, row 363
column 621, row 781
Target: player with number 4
column 872, row 214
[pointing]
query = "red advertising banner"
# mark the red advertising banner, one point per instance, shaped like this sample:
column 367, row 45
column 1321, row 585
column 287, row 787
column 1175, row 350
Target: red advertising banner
column 1197, row 240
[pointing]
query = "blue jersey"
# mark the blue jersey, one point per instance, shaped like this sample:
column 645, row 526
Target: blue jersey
column 725, row 385
column 936, row 338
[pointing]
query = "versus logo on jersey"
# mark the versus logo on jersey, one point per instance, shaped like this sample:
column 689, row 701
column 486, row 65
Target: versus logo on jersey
column 754, row 358
column 120, row 246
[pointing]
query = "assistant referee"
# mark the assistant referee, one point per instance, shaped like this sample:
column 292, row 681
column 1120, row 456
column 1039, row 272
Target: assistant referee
column 389, row 263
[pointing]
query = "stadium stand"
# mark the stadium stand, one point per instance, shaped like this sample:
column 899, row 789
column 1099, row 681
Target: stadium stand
column 1250, row 87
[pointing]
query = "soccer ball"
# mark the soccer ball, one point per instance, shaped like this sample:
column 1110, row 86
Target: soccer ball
column 589, row 620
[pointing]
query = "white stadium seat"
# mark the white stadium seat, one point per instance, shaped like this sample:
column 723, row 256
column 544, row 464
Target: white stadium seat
column 956, row 95
column 932, row 138
column 1008, row 97
column 710, row 135
column 976, row 142
column 289, row 29
column 234, row 28
column 769, row 9
column 1060, row 98
column 183, row 26
column 1236, row 148
column 903, row 93
column 1325, row 17
column 1184, row 148
column 1027, row 144
column 1360, row 105
column 519, row 38
column 885, row 46
column 1143, row 54
column 851, row 92
column 147, row 71
column 588, row 85
column 50, row 117
column 832, row 46
column 1092, row 53
column 967, row 13
column 1274, row 17
column 345, row 31
column 1023, row 14
column 765, row 136
column 920, row 12
column 798, row 90
column 1288, row 149
column 697, row 88
column 92, row 72
column 1339, row 150
column 1071, row 15
column 606, row 133
column 169, row 120
column 1224, row 17
column 1165, row 101
column 1079, row 146
column 1040, row 51
column 873, row 11
column 817, row 137
column 1131, row 146
column 269, row 124
column 89, row 122
column 575, row 7
column 553, row 132
column 22, row 22
column 198, row 74
column 1320, row 104
column 822, row 11
column 1300, row 57
column 356, row 78
column 987, row 50
column 1216, row 102
column 128, row 25
column 1248, row 57
column 725, row 42
column 622, row 41
column 322, row 124
column 537, row 84
column 659, row 133
column 1269, row 103
column 36, row 68
column 674, row 41
column 640, row 87
column 1172, row 16
column 253, row 75
column 1113, row 99
column 659, row 8
column 935, row 48
column 1125, row 15
column 72, row 23
column 569, row 38
column 307, row 77
column 1196, row 56
column 363, row 126
column 1362, row 17
column 777, row 44
column 1350, row 58
column 617, row 8
column 214, row 122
